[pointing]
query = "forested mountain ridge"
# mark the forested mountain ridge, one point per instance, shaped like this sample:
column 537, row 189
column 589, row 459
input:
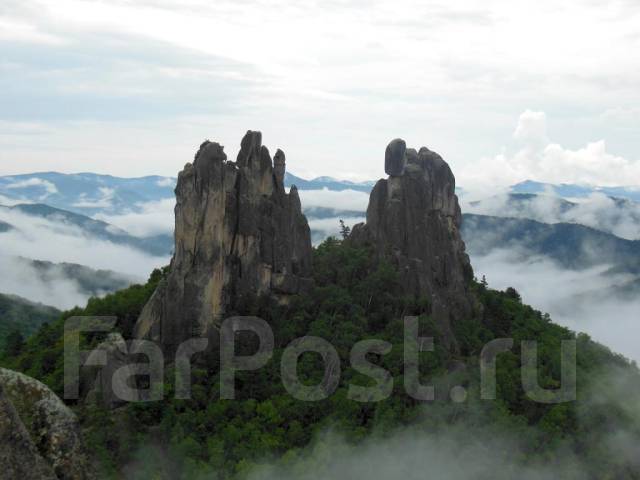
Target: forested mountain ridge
column 89, row 227
column 19, row 318
column 571, row 245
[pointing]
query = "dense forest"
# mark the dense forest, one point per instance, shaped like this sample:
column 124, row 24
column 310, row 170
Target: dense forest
column 266, row 433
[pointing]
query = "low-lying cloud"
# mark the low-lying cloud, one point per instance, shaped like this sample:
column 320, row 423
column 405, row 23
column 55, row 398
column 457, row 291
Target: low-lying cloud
column 45, row 239
column 321, row 228
column 342, row 200
column 599, row 211
column 147, row 219
column 10, row 202
column 103, row 200
column 416, row 454
column 586, row 300
column 48, row 187
column 53, row 287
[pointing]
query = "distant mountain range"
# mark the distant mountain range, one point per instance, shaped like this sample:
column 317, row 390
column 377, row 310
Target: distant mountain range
column 567, row 190
column 328, row 183
column 91, row 193
column 159, row 245
column 85, row 193
column 585, row 278
column 90, row 282
column 5, row 227
column 564, row 222
column 619, row 216
column 570, row 245
column 63, row 285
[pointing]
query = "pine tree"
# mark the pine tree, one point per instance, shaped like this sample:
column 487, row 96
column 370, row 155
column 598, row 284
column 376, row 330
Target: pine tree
column 344, row 229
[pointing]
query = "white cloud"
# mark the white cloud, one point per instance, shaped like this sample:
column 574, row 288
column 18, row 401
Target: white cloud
column 49, row 187
column 151, row 218
column 10, row 202
column 596, row 211
column 104, row 200
column 331, row 99
column 463, row 449
column 342, row 200
column 17, row 31
column 20, row 277
column 578, row 299
column 167, row 182
column 550, row 162
column 54, row 241
column 624, row 115
column 325, row 227
column 532, row 127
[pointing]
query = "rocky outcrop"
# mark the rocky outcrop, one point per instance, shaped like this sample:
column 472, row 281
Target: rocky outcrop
column 99, row 384
column 413, row 220
column 19, row 457
column 43, row 437
column 238, row 234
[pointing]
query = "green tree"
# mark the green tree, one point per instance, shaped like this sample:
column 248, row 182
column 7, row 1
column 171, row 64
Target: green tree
column 345, row 230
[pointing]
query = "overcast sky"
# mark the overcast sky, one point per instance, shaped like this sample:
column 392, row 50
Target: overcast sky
column 503, row 89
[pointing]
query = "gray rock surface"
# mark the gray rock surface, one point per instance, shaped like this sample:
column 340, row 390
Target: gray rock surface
column 279, row 167
column 414, row 220
column 42, row 424
column 101, row 382
column 238, row 234
column 395, row 158
column 19, row 457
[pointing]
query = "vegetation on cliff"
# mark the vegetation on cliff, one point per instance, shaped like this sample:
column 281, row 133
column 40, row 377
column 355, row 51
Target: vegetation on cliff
column 356, row 298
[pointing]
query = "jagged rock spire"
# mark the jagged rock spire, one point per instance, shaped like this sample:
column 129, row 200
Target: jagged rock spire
column 238, row 234
column 413, row 220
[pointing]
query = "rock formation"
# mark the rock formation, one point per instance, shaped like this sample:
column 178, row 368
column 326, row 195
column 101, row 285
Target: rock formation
column 413, row 220
column 39, row 434
column 100, row 384
column 238, row 234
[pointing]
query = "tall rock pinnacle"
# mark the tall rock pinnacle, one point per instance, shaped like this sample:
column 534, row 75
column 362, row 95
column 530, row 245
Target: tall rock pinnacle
column 238, row 234
column 413, row 220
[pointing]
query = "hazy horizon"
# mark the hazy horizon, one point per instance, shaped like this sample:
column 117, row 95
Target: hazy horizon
column 506, row 91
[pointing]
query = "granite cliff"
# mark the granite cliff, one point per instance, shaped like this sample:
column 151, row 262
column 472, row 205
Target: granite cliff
column 413, row 221
column 238, row 234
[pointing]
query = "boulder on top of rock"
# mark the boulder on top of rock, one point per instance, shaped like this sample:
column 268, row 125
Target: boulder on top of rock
column 395, row 158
